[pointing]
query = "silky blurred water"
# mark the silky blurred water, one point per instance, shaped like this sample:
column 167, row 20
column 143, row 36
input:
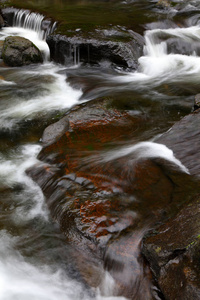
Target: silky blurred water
column 32, row 265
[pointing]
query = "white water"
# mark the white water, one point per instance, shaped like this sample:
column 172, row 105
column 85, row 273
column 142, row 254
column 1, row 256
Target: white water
column 32, row 21
column 30, row 35
column 158, row 67
column 21, row 280
column 29, row 25
column 55, row 94
column 146, row 150
column 12, row 173
column 20, row 277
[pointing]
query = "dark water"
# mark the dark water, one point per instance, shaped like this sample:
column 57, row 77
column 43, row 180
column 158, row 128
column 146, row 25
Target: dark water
column 91, row 15
column 36, row 261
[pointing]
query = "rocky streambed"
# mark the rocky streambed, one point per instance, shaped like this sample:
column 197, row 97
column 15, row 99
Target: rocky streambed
column 110, row 204
column 125, row 192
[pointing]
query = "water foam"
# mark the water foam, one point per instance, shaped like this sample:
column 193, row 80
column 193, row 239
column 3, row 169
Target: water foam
column 29, row 34
column 12, row 173
column 32, row 21
column 19, row 279
column 29, row 25
column 146, row 150
column 158, row 67
column 55, row 95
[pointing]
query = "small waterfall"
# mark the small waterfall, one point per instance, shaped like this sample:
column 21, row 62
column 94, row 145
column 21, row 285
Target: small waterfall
column 33, row 21
column 32, row 26
column 76, row 52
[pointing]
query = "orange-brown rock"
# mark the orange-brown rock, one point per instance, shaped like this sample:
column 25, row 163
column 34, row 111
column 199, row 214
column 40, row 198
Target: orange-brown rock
column 104, row 207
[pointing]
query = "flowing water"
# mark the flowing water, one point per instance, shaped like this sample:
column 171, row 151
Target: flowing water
column 35, row 259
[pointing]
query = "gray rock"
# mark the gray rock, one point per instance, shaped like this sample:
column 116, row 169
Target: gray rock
column 18, row 51
column 172, row 250
column 173, row 254
column 54, row 131
column 183, row 139
column 8, row 14
column 71, row 176
column 70, row 50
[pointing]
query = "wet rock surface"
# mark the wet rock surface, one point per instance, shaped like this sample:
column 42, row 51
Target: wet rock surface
column 105, row 207
column 18, row 51
column 173, row 253
column 172, row 249
column 54, row 131
column 183, row 139
column 8, row 14
column 67, row 50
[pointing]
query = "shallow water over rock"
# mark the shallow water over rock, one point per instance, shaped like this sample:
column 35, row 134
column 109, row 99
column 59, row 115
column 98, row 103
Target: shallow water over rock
column 106, row 177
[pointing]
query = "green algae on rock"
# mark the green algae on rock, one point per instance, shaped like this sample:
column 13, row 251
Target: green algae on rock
column 18, row 51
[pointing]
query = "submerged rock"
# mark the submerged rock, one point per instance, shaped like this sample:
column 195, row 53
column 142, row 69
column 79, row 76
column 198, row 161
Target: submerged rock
column 18, row 51
column 164, row 3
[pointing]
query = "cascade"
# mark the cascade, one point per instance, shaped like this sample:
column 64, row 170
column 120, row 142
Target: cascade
column 32, row 26
column 33, row 21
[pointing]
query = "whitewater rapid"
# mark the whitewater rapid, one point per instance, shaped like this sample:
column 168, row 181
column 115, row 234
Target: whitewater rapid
column 161, row 67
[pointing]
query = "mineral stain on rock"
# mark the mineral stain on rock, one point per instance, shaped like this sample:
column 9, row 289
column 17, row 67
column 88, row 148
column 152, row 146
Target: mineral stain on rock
column 108, row 204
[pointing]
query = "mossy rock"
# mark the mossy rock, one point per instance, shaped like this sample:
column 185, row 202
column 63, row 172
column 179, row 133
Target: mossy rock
column 18, row 51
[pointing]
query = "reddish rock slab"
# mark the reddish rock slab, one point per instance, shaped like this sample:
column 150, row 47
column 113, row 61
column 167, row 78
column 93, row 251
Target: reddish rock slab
column 104, row 207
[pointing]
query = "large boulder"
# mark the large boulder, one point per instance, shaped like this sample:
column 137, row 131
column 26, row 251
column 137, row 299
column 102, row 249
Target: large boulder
column 70, row 50
column 173, row 249
column 18, row 51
